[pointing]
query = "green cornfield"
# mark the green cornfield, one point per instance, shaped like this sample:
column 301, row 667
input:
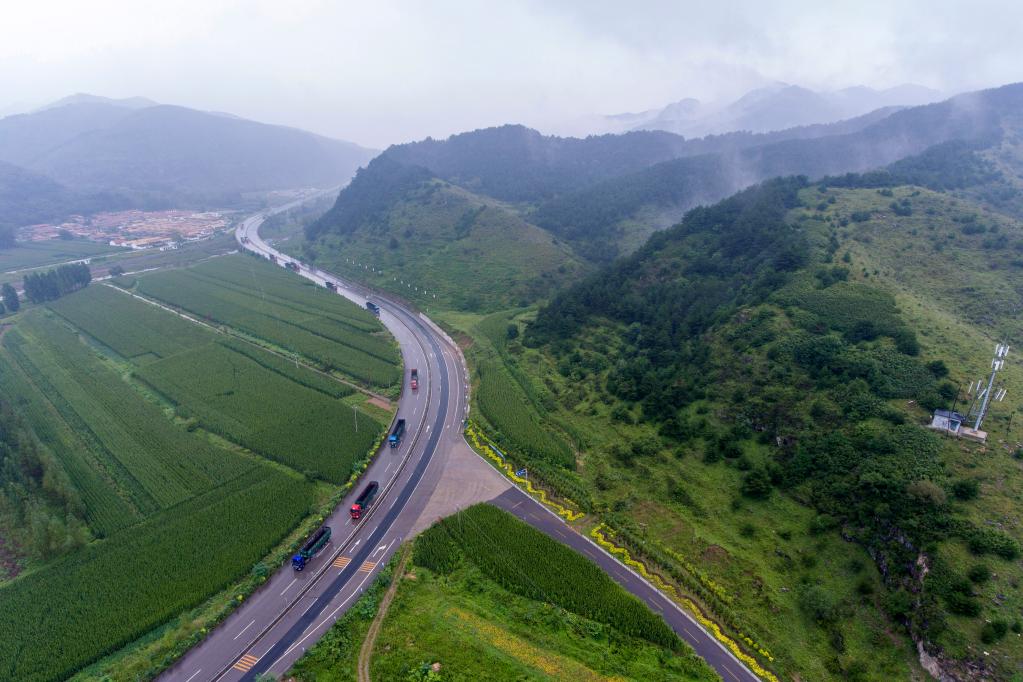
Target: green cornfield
column 527, row 562
column 110, row 442
column 233, row 395
column 330, row 331
column 132, row 328
column 92, row 602
column 507, row 407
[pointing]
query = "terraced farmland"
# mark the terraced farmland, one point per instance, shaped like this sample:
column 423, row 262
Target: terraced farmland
column 264, row 302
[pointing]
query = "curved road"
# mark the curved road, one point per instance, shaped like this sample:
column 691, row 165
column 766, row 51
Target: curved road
column 271, row 630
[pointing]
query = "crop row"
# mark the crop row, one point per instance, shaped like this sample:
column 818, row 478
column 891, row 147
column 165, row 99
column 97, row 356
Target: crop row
column 275, row 283
column 127, row 325
column 504, row 404
column 150, row 457
column 529, row 563
column 372, row 341
column 96, row 600
column 286, row 368
column 105, row 509
column 260, row 319
column 233, row 395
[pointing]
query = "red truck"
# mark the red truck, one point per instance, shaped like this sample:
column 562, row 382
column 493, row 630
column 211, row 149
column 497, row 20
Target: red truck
column 414, row 380
column 364, row 500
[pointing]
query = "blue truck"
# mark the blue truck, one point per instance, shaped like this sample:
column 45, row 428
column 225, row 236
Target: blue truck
column 399, row 430
column 312, row 546
column 373, row 308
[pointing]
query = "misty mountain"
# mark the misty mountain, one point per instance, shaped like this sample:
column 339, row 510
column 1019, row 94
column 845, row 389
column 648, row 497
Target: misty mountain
column 160, row 155
column 515, row 163
column 772, row 108
column 598, row 215
column 86, row 98
column 27, row 197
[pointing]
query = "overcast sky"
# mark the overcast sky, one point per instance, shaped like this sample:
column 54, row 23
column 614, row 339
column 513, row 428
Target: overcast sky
column 387, row 71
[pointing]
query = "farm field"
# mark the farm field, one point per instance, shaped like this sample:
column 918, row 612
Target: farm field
column 108, row 594
column 38, row 254
column 467, row 604
column 264, row 302
column 121, row 392
column 229, row 393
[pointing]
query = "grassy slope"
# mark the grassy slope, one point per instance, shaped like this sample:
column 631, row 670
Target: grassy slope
column 469, row 251
column 962, row 299
column 474, row 629
column 761, row 552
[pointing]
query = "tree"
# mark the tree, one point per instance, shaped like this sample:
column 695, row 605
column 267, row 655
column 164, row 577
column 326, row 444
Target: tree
column 10, row 298
column 116, row 271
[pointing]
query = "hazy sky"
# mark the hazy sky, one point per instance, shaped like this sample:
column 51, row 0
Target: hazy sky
column 386, row 71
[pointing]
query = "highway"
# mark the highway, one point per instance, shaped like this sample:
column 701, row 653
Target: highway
column 272, row 629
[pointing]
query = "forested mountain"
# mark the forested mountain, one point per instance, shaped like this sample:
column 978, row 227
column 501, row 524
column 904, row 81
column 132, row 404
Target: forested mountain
column 473, row 251
column 517, row 164
column 27, row 197
column 596, row 214
column 159, row 156
column 795, row 337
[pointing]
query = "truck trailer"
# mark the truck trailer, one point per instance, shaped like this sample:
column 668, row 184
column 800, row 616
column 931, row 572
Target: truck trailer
column 363, row 501
column 373, row 308
column 399, row 430
column 312, row 546
column 414, row 380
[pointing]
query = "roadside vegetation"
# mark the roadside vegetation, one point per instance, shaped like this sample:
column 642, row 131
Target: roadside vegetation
column 487, row 598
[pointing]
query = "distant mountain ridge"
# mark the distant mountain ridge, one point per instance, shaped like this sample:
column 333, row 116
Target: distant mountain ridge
column 771, row 108
column 135, row 152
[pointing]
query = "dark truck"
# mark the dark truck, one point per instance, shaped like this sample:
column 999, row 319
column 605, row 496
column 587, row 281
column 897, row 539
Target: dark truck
column 362, row 502
column 399, row 430
column 331, row 286
column 317, row 542
column 291, row 265
column 414, row 380
column 373, row 308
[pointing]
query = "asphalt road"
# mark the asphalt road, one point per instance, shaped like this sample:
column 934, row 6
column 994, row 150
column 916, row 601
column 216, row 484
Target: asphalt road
column 272, row 629
column 293, row 609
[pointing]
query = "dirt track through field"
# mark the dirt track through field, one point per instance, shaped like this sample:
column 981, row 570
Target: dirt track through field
column 366, row 652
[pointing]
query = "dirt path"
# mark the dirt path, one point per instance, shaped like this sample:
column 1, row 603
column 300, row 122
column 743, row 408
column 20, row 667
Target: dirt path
column 366, row 652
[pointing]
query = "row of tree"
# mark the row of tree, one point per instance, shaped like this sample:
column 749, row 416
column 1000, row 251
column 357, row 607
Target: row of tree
column 60, row 281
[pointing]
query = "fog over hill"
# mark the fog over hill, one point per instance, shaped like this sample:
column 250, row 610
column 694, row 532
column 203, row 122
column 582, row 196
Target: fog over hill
column 136, row 152
column 770, row 108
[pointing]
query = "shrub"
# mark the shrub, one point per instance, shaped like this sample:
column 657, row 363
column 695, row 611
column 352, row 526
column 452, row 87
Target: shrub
column 965, row 489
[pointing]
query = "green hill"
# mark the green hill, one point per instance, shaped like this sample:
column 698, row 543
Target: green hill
column 464, row 250
column 603, row 212
column 747, row 392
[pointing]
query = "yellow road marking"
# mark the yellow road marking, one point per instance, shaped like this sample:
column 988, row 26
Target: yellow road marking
column 367, row 567
column 341, row 562
column 245, row 663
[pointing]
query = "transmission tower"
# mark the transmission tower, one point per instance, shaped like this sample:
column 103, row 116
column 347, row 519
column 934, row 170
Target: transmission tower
column 984, row 394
